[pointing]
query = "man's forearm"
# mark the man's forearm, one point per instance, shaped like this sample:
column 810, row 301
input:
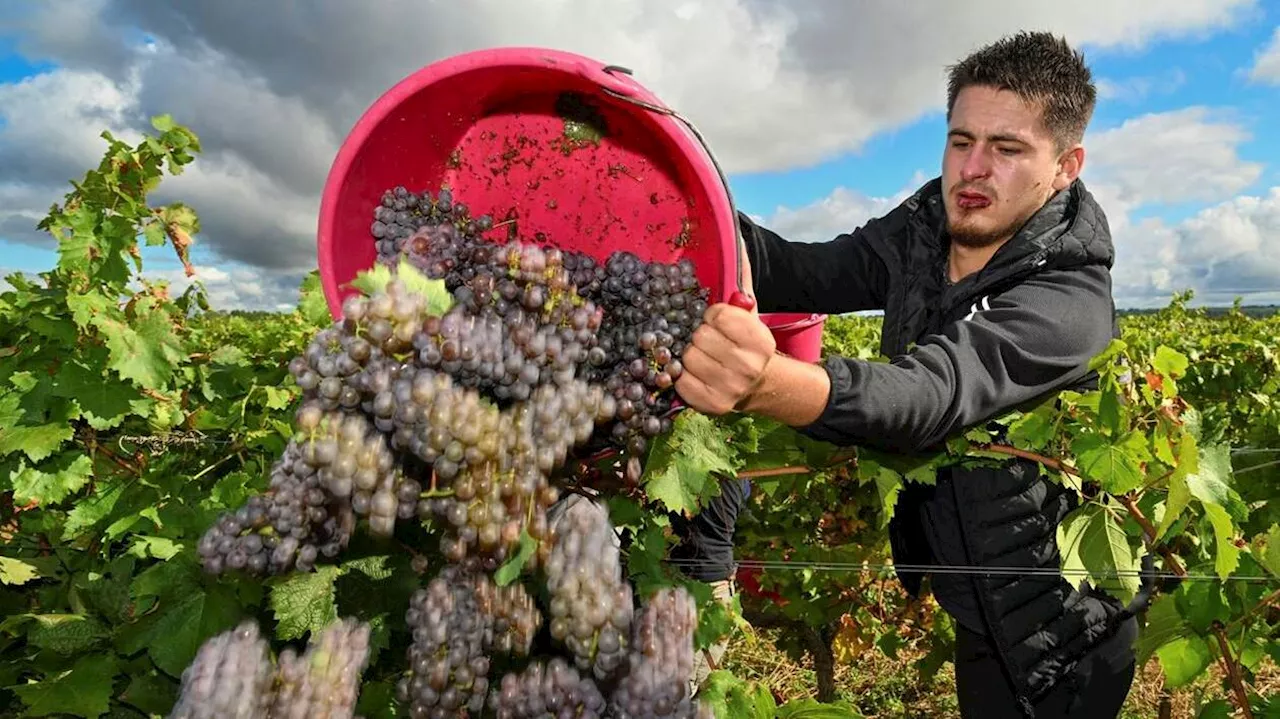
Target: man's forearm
column 792, row 392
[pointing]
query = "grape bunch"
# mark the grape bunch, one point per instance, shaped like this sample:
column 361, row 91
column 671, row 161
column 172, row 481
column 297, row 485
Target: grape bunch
column 517, row 324
column 355, row 465
column 651, row 311
column 513, row 615
column 547, row 688
column 447, row 661
column 323, row 682
column 324, row 371
column 231, row 677
column 656, row 685
column 288, row 527
column 591, row 601
column 630, row 320
column 416, row 227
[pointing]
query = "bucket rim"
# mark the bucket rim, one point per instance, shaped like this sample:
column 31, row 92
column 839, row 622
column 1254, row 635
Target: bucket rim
column 812, row 319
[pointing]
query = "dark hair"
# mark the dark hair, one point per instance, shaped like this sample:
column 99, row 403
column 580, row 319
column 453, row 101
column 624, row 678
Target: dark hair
column 1042, row 69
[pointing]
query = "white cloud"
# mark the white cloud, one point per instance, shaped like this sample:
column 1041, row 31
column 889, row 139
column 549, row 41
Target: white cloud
column 772, row 84
column 841, row 211
column 1228, row 250
column 1266, row 63
column 1134, row 89
column 1178, row 156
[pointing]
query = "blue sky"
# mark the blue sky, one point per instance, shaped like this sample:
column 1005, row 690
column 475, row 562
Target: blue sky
column 1181, row 186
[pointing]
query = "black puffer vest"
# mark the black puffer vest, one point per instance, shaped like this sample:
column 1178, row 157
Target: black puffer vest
column 1006, row 516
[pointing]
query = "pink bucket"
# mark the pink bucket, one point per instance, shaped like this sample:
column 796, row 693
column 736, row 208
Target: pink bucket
column 568, row 151
column 798, row 334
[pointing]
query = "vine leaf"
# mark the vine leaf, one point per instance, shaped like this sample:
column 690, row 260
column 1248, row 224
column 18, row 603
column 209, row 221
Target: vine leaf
column 18, row 433
column 15, row 571
column 1179, row 495
column 731, row 697
column 144, row 348
column 1271, row 556
column 1212, row 487
column 1164, row 624
column 185, row 619
column 376, row 279
column 1117, row 466
column 683, row 464
column 1202, row 604
column 311, row 301
column 1096, row 548
column 305, row 602
column 104, row 400
column 1034, row 430
column 511, row 569
column 83, row 691
column 56, row 480
column 70, row 634
column 1183, row 659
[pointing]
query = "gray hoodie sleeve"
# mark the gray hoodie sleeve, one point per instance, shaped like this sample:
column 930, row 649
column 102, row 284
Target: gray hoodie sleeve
column 1037, row 338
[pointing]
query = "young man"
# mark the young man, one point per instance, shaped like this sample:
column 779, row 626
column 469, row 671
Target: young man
column 996, row 289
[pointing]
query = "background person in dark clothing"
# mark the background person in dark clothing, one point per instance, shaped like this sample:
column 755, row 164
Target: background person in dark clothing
column 995, row 283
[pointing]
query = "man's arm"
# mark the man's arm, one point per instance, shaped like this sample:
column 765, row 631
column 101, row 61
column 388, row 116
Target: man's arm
column 1036, row 339
column 844, row 274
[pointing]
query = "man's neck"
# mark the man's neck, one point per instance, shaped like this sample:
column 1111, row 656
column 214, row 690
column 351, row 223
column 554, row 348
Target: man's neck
column 964, row 261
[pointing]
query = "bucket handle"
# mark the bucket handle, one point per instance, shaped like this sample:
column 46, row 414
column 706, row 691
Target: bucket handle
column 739, row 298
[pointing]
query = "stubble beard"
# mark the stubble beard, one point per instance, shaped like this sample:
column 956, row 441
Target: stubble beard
column 966, row 233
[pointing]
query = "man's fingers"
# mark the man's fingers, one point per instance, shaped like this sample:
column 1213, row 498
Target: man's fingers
column 738, row 325
column 698, row 362
column 695, row 392
column 711, row 340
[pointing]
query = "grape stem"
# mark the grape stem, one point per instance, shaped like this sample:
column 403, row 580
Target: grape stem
column 91, row 444
column 1233, row 671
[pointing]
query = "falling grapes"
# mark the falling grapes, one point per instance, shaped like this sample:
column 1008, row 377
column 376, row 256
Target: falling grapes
column 591, row 601
column 447, row 662
column 233, row 676
column 656, row 685
column 290, row 526
column 650, row 313
column 323, row 681
column 230, row 678
column 550, row 688
column 460, row 394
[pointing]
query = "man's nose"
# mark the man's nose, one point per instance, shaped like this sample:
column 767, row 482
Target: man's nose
column 976, row 164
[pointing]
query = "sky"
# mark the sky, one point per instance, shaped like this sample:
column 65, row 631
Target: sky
column 824, row 113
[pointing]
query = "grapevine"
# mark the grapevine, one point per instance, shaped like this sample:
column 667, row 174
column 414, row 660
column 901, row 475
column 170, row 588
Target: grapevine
column 204, row 511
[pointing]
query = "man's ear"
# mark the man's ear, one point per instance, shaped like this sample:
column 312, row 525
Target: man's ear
column 1070, row 165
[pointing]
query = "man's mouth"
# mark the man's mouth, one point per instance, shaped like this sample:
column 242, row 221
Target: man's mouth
column 969, row 200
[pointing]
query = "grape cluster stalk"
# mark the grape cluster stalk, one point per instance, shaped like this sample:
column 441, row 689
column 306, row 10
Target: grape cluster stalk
column 451, row 396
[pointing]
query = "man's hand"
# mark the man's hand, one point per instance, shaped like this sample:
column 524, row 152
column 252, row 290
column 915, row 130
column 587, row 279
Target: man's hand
column 726, row 360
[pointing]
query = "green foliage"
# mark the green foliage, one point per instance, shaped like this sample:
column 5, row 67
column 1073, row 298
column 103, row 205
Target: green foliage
column 130, row 419
column 1156, row 435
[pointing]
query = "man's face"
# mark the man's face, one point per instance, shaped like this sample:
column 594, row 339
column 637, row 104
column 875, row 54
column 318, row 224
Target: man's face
column 1000, row 166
